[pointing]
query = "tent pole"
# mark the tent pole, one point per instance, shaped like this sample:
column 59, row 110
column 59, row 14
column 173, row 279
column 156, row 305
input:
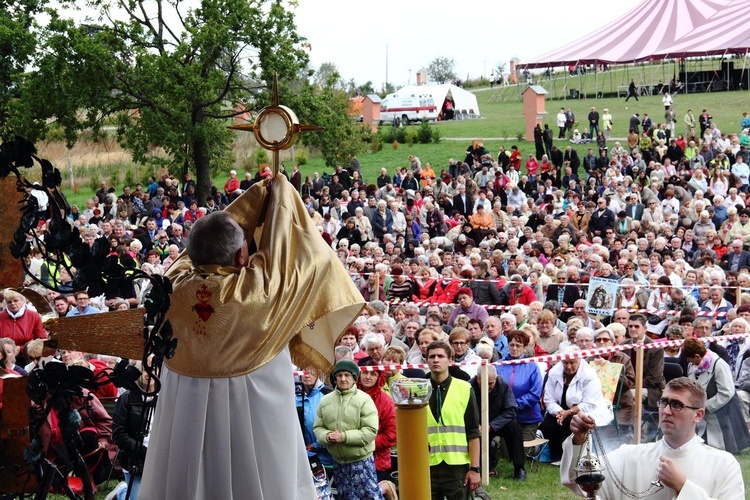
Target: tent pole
column 596, row 80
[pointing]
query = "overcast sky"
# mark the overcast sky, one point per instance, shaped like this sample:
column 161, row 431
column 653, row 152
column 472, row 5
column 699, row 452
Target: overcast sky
column 476, row 34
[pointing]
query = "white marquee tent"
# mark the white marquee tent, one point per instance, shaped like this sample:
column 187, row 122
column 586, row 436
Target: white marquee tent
column 465, row 102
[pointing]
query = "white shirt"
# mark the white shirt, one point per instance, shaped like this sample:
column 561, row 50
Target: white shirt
column 711, row 473
column 742, row 171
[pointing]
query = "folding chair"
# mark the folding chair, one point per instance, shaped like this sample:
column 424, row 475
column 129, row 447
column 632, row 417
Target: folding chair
column 537, row 446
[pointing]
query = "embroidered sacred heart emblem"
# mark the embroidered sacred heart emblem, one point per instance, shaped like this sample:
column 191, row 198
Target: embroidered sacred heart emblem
column 204, row 311
column 203, row 308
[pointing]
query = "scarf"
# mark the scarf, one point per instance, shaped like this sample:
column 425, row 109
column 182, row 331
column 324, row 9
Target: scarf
column 704, row 364
column 733, row 350
column 18, row 314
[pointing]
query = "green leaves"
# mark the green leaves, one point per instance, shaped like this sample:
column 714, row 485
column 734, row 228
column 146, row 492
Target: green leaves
column 441, row 70
column 169, row 80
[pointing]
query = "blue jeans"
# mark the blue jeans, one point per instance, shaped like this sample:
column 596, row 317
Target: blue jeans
column 136, row 487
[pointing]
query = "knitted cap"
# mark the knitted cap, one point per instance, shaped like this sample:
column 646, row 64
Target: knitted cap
column 346, row 365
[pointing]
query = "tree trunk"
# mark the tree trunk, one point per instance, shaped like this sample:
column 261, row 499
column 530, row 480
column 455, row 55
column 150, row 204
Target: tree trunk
column 203, row 171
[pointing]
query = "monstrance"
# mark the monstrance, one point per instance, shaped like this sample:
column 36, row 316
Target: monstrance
column 276, row 127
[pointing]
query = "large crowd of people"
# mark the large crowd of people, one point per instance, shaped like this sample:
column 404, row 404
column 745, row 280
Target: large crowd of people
column 491, row 255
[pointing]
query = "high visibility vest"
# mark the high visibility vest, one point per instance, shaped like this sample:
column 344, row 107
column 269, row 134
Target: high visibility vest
column 447, row 438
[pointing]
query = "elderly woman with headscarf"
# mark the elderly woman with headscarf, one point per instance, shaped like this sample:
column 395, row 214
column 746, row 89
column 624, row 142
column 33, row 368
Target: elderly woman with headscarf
column 371, row 382
column 572, row 387
column 346, row 422
column 723, row 426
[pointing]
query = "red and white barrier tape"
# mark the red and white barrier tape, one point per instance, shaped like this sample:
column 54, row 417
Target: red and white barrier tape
column 657, row 344
column 657, row 312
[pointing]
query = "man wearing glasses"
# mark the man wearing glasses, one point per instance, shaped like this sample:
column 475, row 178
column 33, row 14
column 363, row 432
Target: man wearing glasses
column 652, row 216
column 83, row 306
column 683, row 465
column 566, row 295
column 653, row 359
column 602, row 219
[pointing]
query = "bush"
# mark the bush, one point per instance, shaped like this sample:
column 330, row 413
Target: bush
column 394, row 134
column 435, row 135
column 94, row 181
column 411, row 136
column 114, row 177
column 376, row 144
column 301, row 156
column 260, row 155
column 427, row 134
column 424, row 133
column 247, row 164
column 130, row 178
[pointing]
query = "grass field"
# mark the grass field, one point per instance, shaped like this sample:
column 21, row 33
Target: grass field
column 540, row 485
column 501, row 122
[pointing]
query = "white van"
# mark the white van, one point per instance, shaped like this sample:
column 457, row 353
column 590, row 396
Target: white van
column 398, row 109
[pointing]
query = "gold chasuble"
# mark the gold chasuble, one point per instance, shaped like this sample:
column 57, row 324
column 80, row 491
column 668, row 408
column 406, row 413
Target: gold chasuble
column 293, row 291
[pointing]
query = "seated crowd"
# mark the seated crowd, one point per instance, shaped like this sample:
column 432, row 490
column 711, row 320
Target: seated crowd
column 494, row 260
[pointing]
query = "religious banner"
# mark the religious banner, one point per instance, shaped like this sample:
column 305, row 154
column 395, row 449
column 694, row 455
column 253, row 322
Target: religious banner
column 602, row 297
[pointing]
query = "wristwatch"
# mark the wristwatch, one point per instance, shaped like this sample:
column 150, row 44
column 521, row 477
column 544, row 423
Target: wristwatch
column 476, row 469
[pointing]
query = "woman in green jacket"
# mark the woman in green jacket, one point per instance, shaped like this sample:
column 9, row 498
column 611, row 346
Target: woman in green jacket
column 347, row 423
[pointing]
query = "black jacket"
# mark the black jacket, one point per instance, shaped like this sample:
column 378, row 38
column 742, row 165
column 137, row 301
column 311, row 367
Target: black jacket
column 485, row 291
column 599, row 223
column 127, row 428
column 570, row 295
column 572, row 157
column 501, row 403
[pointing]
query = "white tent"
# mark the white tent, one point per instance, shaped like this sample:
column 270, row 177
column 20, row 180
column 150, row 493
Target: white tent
column 465, row 102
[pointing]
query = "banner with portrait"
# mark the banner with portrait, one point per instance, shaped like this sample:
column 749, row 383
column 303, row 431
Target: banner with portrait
column 602, row 296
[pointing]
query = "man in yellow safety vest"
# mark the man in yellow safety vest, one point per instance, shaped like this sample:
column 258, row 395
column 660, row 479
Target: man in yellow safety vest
column 453, row 429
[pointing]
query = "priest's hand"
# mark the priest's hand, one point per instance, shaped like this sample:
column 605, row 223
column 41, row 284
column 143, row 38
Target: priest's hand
column 670, row 474
column 580, row 425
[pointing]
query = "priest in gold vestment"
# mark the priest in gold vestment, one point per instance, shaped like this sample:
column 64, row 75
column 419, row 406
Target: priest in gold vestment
column 226, row 424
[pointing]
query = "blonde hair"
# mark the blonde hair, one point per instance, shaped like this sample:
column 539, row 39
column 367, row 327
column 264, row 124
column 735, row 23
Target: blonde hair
column 9, row 294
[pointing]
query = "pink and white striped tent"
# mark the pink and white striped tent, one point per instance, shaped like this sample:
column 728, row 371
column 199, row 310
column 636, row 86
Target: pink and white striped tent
column 659, row 29
column 726, row 32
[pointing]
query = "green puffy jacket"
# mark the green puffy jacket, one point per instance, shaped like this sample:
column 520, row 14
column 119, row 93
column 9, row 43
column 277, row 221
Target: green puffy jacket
column 354, row 414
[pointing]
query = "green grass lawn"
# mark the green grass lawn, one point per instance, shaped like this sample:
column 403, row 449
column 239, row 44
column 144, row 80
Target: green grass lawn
column 540, row 485
column 502, row 121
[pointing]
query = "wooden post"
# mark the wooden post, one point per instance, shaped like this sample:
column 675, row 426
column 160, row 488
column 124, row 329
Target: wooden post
column 11, row 270
column 638, row 395
column 377, row 285
column 485, row 413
